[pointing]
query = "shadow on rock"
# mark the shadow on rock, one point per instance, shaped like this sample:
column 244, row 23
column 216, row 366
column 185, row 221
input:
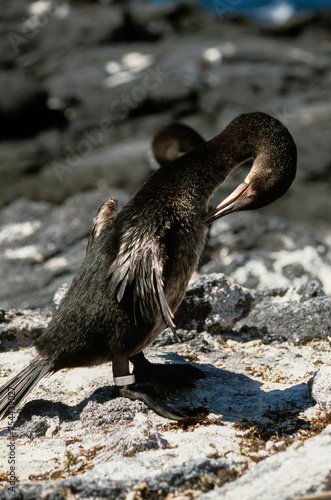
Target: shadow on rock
column 234, row 396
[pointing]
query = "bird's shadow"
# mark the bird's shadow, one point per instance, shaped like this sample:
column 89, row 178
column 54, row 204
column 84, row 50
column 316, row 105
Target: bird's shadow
column 235, row 396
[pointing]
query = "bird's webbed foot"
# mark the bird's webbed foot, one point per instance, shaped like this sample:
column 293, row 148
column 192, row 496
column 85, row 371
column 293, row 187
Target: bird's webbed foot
column 126, row 387
column 172, row 376
column 148, row 396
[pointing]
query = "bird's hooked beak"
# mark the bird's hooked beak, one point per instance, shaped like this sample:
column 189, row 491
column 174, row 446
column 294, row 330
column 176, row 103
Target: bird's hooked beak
column 230, row 203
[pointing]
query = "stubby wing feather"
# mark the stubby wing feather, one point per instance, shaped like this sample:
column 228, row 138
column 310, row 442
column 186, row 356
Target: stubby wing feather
column 161, row 298
column 139, row 262
column 104, row 217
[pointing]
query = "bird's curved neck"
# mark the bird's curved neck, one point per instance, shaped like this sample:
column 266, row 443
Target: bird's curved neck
column 207, row 167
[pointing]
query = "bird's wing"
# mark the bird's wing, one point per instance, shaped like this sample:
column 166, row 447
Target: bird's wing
column 139, row 262
column 103, row 218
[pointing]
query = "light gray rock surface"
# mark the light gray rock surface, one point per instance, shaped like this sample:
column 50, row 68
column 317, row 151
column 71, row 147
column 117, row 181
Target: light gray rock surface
column 259, row 251
column 252, row 414
column 101, row 78
column 321, row 387
column 42, row 245
column 312, row 467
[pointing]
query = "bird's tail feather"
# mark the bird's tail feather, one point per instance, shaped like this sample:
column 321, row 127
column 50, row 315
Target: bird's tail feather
column 14, row 391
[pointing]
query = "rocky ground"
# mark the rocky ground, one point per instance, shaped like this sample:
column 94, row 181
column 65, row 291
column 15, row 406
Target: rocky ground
column 260, row 424
column 84, row 86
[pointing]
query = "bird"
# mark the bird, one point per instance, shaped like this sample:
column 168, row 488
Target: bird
column 169, row 143
column 173, row 141
column 140, row 259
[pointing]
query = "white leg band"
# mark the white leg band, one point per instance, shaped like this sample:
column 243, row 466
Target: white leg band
column 126, row 380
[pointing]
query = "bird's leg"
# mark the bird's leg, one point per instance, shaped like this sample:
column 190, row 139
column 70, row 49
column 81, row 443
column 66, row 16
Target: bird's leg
column 173, row 376
column 124, row 386
column 121, row 371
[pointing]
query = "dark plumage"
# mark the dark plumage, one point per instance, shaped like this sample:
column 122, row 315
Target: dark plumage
column 104, row 217
column 173, row 141
column 169, row 143
column 140, row 260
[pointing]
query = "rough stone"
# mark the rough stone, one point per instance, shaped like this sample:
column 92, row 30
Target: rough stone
column 261, row 414
column 42, row 246
column 19, row 328
column 23, row 107
column 74, row 431
column 259, row 251
column 213, row 66
column 213, row 303
column 321, row 388
column 293, row 314
column 285, row 474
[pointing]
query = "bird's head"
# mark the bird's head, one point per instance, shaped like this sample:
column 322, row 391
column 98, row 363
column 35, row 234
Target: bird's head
column 273, row 151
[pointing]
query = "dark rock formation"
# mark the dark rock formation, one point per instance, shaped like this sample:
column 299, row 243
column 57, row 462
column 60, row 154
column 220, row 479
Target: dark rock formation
column 253, row 405
column 80, row 100
column 98, row 90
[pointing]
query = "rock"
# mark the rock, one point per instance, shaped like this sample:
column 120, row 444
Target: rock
column 132, row 31
column 281, row 475
column 293, row 314
column 23, row 161
column 191, row 60
column 321, row 388
column 121, row 165
column 254, row 402
column 213, row 303
column 26, row 157
column 31, row 34
column 42, row 246
column 247, row 421
column 259, row 339
column 293, row 27
column 19, row 328
column 23, row 106
column 260, row 251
